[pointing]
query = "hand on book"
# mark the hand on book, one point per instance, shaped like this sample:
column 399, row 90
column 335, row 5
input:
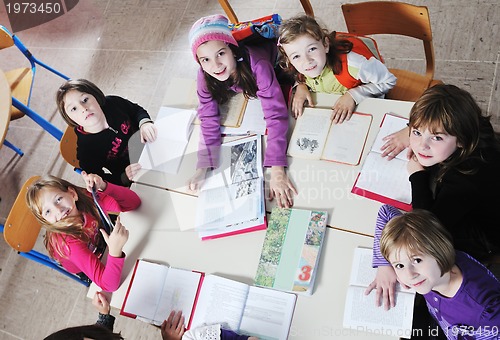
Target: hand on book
column 173, row 327
column 343, row 108
column 195, row 182
column 301, row 96
column 148, row 132
column 395, row 143
column 117, row 239
column 132, row 170
column 281, row 187
column 91, row 180
column 385, row 286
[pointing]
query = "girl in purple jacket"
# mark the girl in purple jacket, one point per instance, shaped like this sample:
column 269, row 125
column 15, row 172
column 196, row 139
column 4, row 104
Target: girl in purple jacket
column 227, row 68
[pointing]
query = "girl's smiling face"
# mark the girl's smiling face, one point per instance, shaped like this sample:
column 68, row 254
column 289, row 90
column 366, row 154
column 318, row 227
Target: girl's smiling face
column 85, row 111
column 307, row 55
column 57, row 204
column 431, row 148
column 217, row 59
column 418, row 271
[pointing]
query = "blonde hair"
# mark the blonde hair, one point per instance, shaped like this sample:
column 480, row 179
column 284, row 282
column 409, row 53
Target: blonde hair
column 298, row 26
column 72, row 226
column 419, row 232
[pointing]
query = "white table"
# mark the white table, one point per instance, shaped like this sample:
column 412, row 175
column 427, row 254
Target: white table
column 155, row 235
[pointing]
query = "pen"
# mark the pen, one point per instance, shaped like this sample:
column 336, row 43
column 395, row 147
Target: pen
column 236, row 134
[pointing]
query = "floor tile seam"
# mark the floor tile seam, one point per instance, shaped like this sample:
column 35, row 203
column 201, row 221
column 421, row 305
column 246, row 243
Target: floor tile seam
column 10, row 334
column 96, row 49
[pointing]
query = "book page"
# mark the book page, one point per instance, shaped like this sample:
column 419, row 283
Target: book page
column 385, row 178
column 221, row 301
column 362, row 313
column 253, row 121
column 232, row 112
column 361, row 310
column 309, row 135
column 178, row 293
column 268, row 313
column 346, row 141
column 146, row 289
column 165, row 153
column 390, row 124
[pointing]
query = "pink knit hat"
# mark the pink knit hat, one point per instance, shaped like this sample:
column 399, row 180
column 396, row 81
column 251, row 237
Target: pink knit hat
column 213, row 27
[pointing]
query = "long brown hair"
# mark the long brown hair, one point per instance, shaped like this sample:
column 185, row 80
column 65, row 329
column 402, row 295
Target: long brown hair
column 450, row 108
column 72, row 226
column 243, row 78
column 295, row 27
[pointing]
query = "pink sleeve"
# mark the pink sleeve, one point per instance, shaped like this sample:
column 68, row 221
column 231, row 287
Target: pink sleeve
column 210, row 138
column 117, row 198
column 105, row 276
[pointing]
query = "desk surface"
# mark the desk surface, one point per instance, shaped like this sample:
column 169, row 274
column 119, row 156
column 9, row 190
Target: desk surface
column 155, row 235
column 5, row 105
column 321, row 184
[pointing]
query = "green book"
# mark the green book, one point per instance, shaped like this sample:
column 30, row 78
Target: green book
column 291, row 250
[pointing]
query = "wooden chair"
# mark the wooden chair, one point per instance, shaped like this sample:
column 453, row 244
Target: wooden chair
column 67, row 146
column 21, row 231
column 21, row 83
column 390, row 17
column 234, row 19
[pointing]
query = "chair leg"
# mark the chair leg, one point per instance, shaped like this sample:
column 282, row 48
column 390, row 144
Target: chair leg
column 13, row 147
column 46, row 125
column 47, row 261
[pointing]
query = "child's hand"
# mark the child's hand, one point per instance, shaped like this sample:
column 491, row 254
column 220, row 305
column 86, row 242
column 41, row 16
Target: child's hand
column 101, row 303
column 173, row 327
column 91, row 180
column 281, row 187
column 395, row 143
column 132, row 170
column 195, row 182
column 413, row 164
column 385, row 285
column 117, row 239
column 343, row 109
column 148, row 132
column 302, row 94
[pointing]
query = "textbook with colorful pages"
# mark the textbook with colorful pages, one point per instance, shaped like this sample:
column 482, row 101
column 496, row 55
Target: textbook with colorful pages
column 291, row 250
column 316, row 137
column 157, row 289
column 383, row 180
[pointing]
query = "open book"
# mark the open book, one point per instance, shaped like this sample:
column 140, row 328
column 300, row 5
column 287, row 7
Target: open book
column 360, row 310
column 157, row 289
column 383, row 180
column 316, row 137
column 232, row 196
column 174, row 129
column 291, row 250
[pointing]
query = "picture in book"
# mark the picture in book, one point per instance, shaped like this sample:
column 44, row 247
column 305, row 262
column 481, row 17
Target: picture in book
column 291, row 250
column 233, row 193
column 315, row 136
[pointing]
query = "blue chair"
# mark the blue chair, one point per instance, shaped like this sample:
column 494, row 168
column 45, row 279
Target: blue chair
column 21, row 82
column 21, row 231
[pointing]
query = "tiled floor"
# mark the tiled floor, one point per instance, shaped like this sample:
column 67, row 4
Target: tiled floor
column 134, row 48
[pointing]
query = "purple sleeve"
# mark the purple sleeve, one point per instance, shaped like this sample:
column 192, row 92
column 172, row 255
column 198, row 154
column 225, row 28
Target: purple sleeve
column 230, row 335
column 107, row 277
column 210, row 138
column 275, row 111
column 385, row 214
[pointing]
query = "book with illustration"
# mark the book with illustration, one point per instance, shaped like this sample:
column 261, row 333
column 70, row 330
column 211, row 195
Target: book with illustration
column 316, row 137
column 291, row 250
column 361, row 311
column 385, row 180
column 157, row 289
